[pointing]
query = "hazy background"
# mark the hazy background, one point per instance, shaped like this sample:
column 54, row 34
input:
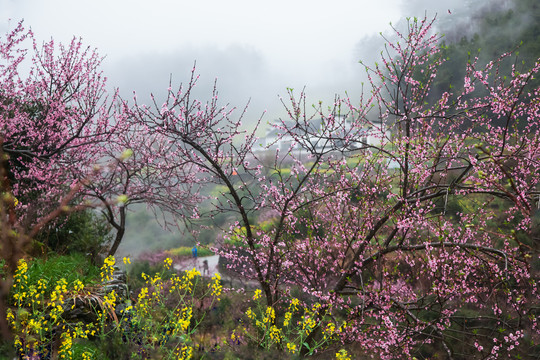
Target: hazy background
column 255, row 49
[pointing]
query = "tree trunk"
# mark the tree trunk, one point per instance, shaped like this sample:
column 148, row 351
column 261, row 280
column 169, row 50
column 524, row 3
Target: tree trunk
column 120, row 230
column 117, row 241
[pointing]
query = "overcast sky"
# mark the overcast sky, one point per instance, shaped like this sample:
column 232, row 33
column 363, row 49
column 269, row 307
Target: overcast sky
column 255, row 49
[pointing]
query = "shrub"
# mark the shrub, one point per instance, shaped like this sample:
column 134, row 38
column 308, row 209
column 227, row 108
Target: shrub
column 81, row 231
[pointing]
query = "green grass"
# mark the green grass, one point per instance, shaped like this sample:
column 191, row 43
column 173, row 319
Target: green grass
column 284, row 172
column 70, row 267
column 185, row 251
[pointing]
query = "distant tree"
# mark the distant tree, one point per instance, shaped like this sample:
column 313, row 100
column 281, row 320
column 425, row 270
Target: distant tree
column 497, row 29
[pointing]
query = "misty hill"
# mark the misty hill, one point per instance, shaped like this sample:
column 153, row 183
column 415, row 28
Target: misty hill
column 497, row 27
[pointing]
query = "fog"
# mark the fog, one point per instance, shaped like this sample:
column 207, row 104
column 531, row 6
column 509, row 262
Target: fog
column 254, row 50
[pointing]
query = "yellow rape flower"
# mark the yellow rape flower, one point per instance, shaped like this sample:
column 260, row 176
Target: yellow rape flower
column 275, row 333
column 10, row 317
column 329, row 330
column 78, row 285
column 143, row 294
column 110, row 299
column 192, row 273
column 287, row 319
column 294, row 305
column 65, row 351
column 308, row 323
column 291, row 348
column 270, row 315
column 185, row 353
column 187, row 313
column 216, row 285
column 342, row 355
column 108, row 268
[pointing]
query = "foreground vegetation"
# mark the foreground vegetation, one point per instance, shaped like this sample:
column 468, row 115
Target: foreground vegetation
column 61, row 311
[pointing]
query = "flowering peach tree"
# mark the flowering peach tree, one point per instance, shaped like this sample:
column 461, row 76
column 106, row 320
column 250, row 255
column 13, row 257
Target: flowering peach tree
column 430, row 221
column 60, row 127
column 141, row 168
column 410, row 215
column 54, row 113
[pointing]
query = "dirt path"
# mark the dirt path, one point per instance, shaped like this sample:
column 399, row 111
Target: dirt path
column 232, row 282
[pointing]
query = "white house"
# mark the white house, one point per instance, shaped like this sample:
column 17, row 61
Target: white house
column 321, row 134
